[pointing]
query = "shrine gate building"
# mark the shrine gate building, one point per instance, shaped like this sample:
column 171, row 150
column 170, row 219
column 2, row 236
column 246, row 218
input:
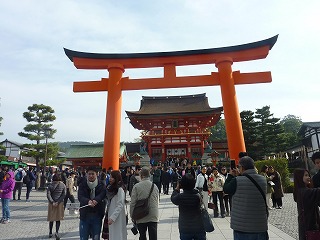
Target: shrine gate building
column 175, row 126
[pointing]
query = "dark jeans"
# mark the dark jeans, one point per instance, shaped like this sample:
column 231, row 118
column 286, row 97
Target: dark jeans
column 165, row 188
column 68, row 196
column 29, row 188
column 17, row 186
column 250, row 236
column 215, row 196
column 91, row 225
column 158, row 184
column 227, row 202
column 193, row 236
column 152, row 230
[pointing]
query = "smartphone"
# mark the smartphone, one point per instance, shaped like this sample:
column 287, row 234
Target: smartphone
column 232, row 164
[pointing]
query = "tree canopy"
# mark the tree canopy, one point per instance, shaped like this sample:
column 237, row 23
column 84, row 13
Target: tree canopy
column 39, row 127
column 264, row 134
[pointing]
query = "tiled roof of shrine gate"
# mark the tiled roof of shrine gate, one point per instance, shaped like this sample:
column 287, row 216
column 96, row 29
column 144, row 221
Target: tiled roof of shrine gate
column 89, row 151
column 175, row 105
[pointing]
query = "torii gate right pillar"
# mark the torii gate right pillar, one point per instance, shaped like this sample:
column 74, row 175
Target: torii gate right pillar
column 231, row 110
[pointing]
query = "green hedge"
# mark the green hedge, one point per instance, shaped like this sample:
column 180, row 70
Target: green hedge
column 281, row 166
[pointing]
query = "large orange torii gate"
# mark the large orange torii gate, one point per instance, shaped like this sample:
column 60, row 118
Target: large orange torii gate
column 223, row 58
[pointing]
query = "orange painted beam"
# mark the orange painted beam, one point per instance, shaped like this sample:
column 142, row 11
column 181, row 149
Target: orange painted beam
column 249, row 78
column 157, row 83
column 91, row 86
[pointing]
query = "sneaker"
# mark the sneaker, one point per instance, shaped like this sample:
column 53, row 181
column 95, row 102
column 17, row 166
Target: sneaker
column 28, row 200
column 6, row 221
column 50, row 235
column 2, row 220
column 223, row 216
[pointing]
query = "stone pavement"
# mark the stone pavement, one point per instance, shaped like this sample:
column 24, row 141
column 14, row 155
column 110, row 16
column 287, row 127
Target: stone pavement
column 29, row 221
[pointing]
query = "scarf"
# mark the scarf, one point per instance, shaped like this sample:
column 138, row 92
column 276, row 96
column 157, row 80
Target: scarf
column 92, row 187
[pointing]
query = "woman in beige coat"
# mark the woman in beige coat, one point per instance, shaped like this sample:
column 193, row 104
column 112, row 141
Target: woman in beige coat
column 56, row 193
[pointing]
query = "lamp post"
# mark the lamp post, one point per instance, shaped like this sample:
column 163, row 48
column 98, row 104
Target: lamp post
column 43, row 176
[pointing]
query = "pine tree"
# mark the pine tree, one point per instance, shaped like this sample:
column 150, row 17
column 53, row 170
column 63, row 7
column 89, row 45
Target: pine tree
column 39, row 127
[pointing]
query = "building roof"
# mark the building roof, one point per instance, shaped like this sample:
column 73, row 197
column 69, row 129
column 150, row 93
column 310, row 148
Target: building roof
column 12, row 142
column 174, row 105
column 89, row 151
column 306, row 125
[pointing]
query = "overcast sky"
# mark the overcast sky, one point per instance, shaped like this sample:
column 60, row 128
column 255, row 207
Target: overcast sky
column 34, row 68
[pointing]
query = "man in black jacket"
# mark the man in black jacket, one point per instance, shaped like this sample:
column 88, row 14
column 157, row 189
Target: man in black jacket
column 91, row 192
column 190, row 221
column 316, row 178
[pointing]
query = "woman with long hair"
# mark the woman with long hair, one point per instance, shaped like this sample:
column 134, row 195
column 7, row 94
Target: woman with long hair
column 114, row 226
column 56, row 193
column 307, row 199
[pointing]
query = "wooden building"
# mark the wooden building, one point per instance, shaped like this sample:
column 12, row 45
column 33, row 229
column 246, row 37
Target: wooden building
column 175, row 126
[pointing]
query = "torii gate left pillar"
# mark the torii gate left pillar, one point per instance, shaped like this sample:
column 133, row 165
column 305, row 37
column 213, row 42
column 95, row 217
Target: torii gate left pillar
column 223, row 58
column 113, row 116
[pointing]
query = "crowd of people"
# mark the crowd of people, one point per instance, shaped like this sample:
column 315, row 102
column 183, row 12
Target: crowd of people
column 243, row 193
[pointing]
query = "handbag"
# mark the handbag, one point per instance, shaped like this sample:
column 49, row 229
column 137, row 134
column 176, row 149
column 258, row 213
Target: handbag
column 313, row 235
column 141, row 208
column 206, row 219
column 211, row 205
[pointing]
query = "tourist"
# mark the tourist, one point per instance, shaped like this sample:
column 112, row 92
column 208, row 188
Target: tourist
column 215, row 185
column 308, row 200
column 165, row 179
column 114, row 226
column 28, row 180
column 226, row 197
column 189, row 169
column 91, row 195
column 141, row 191
column 156, row 176
column 70, row 189
column 135, row 178
column 264, row 172
column 56, row 193
column 249, row 217
column 277, row 194
column 189, row 202
column 316, row 178
column 6, row 189
column 18, row 177
column 202, row 186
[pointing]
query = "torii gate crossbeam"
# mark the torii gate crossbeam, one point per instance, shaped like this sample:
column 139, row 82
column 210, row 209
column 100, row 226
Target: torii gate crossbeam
column 223, row 59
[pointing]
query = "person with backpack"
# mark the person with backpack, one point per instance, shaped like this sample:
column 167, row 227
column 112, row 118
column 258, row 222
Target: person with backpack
column 18, row 177
column 28, row 181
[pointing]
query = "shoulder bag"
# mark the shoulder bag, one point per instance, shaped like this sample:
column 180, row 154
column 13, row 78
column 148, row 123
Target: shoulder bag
column 310, row 234
column 206, row 219
column 260, row 190
column 141, row 209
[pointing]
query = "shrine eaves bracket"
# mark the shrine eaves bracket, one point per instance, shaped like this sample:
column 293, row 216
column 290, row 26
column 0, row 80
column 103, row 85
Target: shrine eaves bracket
column 223, row 59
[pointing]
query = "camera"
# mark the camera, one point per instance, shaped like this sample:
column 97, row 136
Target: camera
column 134, row 230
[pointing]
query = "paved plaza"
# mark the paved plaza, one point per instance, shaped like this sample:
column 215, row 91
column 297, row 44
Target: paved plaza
column 28, row 221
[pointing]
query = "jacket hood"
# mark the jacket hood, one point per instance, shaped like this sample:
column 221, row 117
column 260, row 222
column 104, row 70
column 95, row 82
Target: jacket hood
column 11, row 174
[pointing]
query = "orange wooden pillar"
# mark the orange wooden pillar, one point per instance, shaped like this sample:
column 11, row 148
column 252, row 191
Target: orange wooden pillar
column 111, row 149
column 231, row 110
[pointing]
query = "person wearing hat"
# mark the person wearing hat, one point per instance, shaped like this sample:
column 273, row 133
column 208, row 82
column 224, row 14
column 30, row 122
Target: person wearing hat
column 249, row 216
